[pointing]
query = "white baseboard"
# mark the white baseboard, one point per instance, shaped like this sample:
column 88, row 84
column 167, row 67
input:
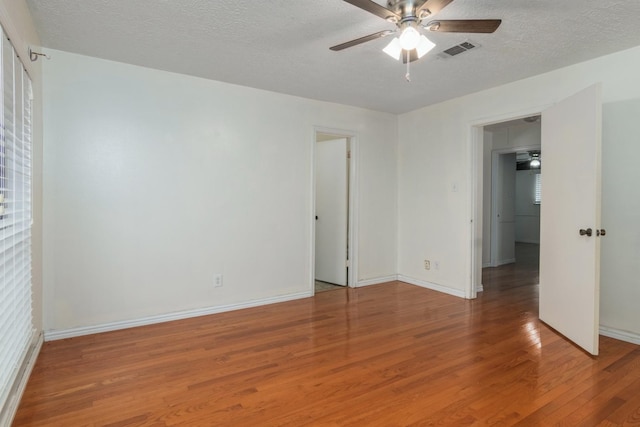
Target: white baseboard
column 480, row 288
column 432, row 286
column 505, row 261
column 124, row 324
column 620, row 335
column 8, row 411
column 376, row 281
column 486, row 264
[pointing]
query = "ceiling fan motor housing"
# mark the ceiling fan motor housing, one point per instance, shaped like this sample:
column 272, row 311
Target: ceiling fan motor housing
column 404, row 7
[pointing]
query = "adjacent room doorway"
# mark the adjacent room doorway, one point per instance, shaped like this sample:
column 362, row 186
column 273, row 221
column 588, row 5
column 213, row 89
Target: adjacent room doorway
column 513, row 198
column 333, row 166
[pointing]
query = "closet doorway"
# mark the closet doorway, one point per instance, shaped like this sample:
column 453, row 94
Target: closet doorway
column 333, row 201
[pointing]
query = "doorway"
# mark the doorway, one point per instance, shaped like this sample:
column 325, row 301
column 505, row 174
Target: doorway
column 569, row 285
column 333, row 168
column 511, row 192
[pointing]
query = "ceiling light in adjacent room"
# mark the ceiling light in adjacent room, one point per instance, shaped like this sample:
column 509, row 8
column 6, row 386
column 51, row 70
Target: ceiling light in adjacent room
column 535, row 160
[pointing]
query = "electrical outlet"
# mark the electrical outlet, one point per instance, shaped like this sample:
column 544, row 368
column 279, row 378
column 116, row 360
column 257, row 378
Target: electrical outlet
column 217, row 280
column 427, row 264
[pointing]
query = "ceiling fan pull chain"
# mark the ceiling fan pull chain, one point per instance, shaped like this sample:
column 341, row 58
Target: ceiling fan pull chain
column 408, row 75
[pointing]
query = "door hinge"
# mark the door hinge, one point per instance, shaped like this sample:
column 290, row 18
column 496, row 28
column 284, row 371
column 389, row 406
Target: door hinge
column 347, row 263
column 348, row 154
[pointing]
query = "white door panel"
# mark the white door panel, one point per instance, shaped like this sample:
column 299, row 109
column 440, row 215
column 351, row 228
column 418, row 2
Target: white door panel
column 569, row 262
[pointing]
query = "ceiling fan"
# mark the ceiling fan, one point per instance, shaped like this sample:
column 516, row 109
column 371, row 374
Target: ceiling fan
column 412, row 18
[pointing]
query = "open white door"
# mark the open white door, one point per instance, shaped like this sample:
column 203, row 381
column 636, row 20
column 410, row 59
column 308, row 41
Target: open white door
column 331, row 211
column 569, row 261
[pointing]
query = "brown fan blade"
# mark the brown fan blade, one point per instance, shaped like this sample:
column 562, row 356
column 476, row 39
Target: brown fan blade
column 431, row 7
column 376, row 9
column 413, row 56
column 464, row 25
column 364, row 39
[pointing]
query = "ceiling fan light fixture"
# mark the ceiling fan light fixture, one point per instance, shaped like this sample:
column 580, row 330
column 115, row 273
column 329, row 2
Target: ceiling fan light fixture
column 410, row 38
column 393, row 49
column 424, row 46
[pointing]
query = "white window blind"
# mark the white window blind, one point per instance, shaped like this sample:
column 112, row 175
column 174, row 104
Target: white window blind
column 537, row 192
column 16, row 326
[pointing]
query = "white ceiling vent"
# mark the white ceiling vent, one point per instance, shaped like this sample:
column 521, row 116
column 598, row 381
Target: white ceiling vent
column 457, row 49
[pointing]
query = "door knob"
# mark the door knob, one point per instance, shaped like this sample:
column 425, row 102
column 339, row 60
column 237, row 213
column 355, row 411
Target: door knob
column 601, row 232
column 587, row 232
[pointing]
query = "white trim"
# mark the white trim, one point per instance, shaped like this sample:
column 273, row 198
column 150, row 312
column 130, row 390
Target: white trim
column 377, row 280
column 486, row 264
column 432, row 286
column 125, row 324
column 619, row 334
column 480, row 288
column 506, row 117
column 8, row 412
column 505, row 261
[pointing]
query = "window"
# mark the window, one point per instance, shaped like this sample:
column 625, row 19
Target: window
column 537, row 192
column 16, row 328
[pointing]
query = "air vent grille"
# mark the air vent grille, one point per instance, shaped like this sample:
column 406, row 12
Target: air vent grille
column 457, row 49
column 453, row 51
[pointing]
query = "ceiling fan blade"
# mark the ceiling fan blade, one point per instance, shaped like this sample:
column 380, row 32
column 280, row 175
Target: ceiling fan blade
column 375, row 8
column 464, row 25
column 431, row 7
column 364, row 39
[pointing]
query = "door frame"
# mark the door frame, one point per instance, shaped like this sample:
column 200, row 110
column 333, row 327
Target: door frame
column 352, row 220
column 493, row 235
column 475, row 183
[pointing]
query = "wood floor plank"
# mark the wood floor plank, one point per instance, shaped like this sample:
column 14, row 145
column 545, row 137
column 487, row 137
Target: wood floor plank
column 384, row 355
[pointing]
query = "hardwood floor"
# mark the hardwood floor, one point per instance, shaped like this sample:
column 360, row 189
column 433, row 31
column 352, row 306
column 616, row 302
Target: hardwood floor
column 384, row 355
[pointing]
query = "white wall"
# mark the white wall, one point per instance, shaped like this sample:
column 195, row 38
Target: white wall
column 155, row 181
column 620, row 249
column 18, row 24
column 435, row 152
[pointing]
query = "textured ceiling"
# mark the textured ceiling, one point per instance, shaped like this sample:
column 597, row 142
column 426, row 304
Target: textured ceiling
column 283, row 45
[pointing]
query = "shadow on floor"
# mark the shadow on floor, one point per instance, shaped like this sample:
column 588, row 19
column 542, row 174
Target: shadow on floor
column 324, row 286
